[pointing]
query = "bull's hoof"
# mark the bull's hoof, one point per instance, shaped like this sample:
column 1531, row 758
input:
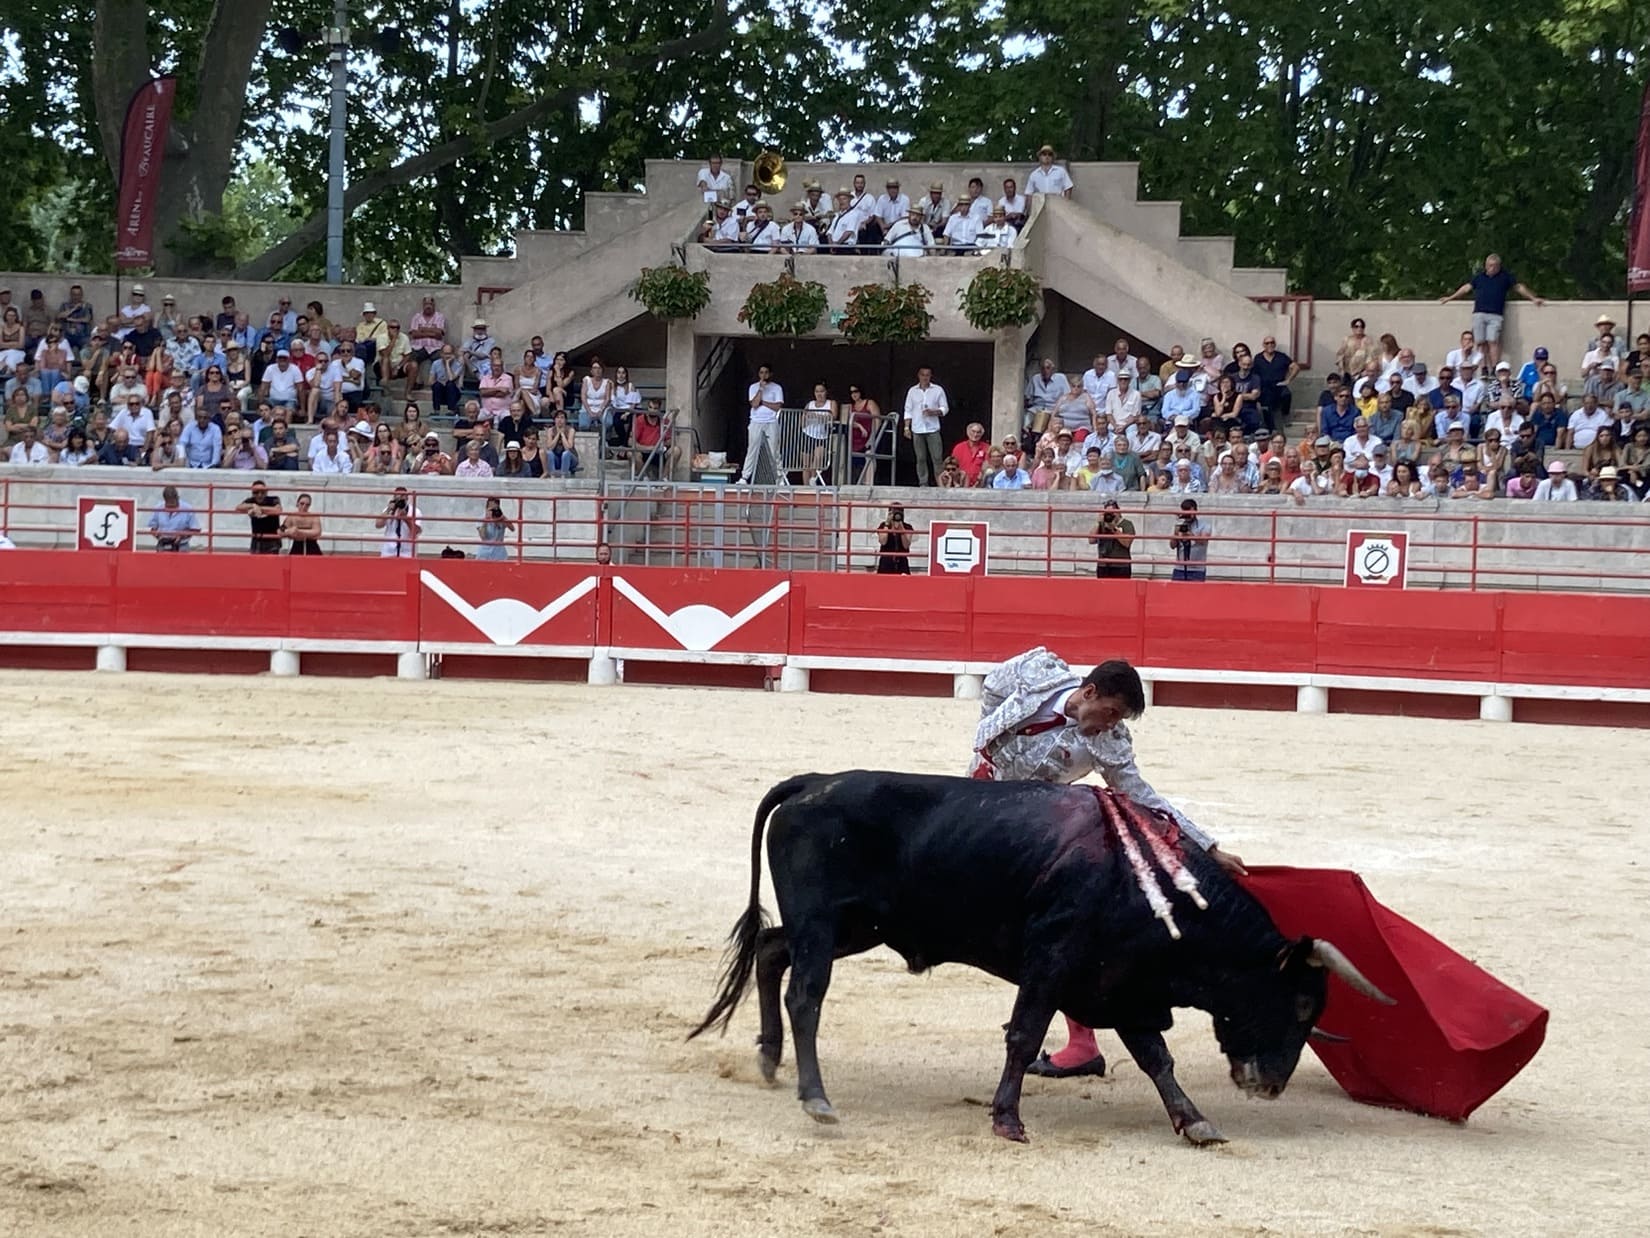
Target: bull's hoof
column 768, row 1064
column 1009, row 1128
column 819, row 1109
column 1202, row 1134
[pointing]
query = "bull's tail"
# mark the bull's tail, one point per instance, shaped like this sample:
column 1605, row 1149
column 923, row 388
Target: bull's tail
column 739, row 963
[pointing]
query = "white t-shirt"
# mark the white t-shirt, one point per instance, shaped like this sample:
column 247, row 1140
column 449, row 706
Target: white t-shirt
column 23, row 454
column 321, row 462
column 1459, row 359
column 980, row 209
column 1013, row 206
column 924, row 406
column 1366, row 449
column 1507, row 422
column 713, row 187
column 283, row 385
column 772, row 393
column 137, row 428
column 1097, row 385
column 1055, row 180
column 1584, row 428
column 347, row 378
column 1302, row 488
column 891, row 209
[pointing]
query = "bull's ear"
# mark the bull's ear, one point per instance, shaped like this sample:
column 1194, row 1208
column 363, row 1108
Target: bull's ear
column 1295, row 954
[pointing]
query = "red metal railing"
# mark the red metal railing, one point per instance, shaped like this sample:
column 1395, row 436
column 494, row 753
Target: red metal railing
column 1586, row 546
column 1298, row 306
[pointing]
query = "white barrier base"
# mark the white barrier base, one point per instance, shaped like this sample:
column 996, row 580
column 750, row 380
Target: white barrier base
column 793, row 679
column 603, row 671
column 111, row 657
column 411, row 666
column 1311, row 700
column 1495, row 708
column 967, row 687
column 285, row 663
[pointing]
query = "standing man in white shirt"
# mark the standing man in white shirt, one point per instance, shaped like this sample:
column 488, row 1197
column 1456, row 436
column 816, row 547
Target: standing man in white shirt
column 925, row 405
column 766, row 399
column 713, row 182
column 892, row 205
column 1048, row 176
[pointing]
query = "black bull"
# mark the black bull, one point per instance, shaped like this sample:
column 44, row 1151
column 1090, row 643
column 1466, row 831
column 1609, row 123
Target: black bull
column 1032, row 883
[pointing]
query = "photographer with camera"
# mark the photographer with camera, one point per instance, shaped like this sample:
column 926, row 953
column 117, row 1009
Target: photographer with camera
column 402, row 525
column 1190, row 543
column 492, row 531
column 1111, row 539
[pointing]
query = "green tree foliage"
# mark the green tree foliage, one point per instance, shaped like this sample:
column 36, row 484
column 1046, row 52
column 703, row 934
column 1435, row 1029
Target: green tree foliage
column 1376, row 149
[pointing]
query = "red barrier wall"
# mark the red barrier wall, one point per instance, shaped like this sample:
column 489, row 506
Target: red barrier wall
column 668, row 615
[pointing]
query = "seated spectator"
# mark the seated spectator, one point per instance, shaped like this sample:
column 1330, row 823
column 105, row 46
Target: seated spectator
column 1050, row 474
column 1362, row 441
column 1557, row 487
column 242, row 451
column 1338, row 419
column 29, row 449
column 430, row 460
column 1130, row 468
column 446, row 380
column 1305, row 485
column 1358, row 482
column 334, row 457
column 1405, row 484
column 517, row 420
column 962, row 226
column 1106, row 479
column 951, row 475
column 383, row 455
column 1607, row 487
column 998, row 233
column 1602, row 451
column 1068, row 452
column 762, row 231
column 1225, row 479
column 1185, row 482
column 164, row 450
column 280, row 445
column 1494, row 461
column 560, row 449
column 799, row 236
column 1548, row 421
column 1525, row 478
column 1012, row 205
column 1450, row 418
column 1076, row 410
column 473, row 464
column 652, row 455
column 1602, row 384
column 1470, row 485
column 1144, row 439
column 532, row 458
column 1272, row 480
column 1635, row 461
column 474, row 423
column 118, row 451
column 1122, row 401
column 1604, row 353
column 909, row 237
column 1011, row 476
column 395, row 359
column 1043, row 391
column 1585, row 423
column 993, row 466
column 970, row 454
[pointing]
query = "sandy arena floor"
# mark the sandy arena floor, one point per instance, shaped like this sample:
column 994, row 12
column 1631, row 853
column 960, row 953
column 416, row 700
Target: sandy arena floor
column 373, row 958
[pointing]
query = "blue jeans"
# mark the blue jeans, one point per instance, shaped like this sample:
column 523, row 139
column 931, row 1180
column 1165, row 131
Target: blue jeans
column 563, row 462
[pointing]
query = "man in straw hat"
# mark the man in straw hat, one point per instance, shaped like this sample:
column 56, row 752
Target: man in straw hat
column 1048, row 176
column 798, row 236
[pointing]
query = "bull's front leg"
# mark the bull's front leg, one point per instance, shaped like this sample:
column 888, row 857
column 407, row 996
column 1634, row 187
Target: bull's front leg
column 1152, row 1056
column 1034, row 1007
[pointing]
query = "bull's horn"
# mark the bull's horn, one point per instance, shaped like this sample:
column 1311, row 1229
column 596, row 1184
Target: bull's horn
column 1325, row 954
column 1328, row 1038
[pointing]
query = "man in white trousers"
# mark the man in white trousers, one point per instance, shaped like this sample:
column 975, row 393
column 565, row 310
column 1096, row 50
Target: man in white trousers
column 1041, row 721
column 766, row 399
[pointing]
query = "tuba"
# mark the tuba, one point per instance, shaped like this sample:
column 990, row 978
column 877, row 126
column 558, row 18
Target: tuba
column 769, row 173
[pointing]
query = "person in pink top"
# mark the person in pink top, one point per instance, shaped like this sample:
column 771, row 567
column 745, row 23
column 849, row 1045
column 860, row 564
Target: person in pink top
column 496, row 386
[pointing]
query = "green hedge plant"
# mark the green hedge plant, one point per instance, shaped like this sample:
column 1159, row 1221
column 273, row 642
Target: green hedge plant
column 887, row 314
column 787, row 306
column 672, row 291
column 999, row 297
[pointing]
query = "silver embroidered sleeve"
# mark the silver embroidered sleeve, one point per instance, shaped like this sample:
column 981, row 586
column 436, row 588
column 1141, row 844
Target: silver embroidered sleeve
column 1125, row 777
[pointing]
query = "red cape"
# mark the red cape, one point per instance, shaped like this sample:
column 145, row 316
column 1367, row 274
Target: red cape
column 1456, row 1036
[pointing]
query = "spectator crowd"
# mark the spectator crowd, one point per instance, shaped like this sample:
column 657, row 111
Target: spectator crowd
column 161, row 387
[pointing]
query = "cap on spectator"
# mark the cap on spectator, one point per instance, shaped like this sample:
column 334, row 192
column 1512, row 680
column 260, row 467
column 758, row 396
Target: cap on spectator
column 1603, row 320
column 361, row 428
column 281, row 352
column 512, row 445
column 1607, row 473
column 136, row 288
column 936, row 186
column 479, row 322
column 1503, row 366
column 1045, row 150
column 432, row 437
column 81, row 385
column 1557, row 466
column 1323, row 440
column 1541, row 354
column 367, row 307
column 1183, row 420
